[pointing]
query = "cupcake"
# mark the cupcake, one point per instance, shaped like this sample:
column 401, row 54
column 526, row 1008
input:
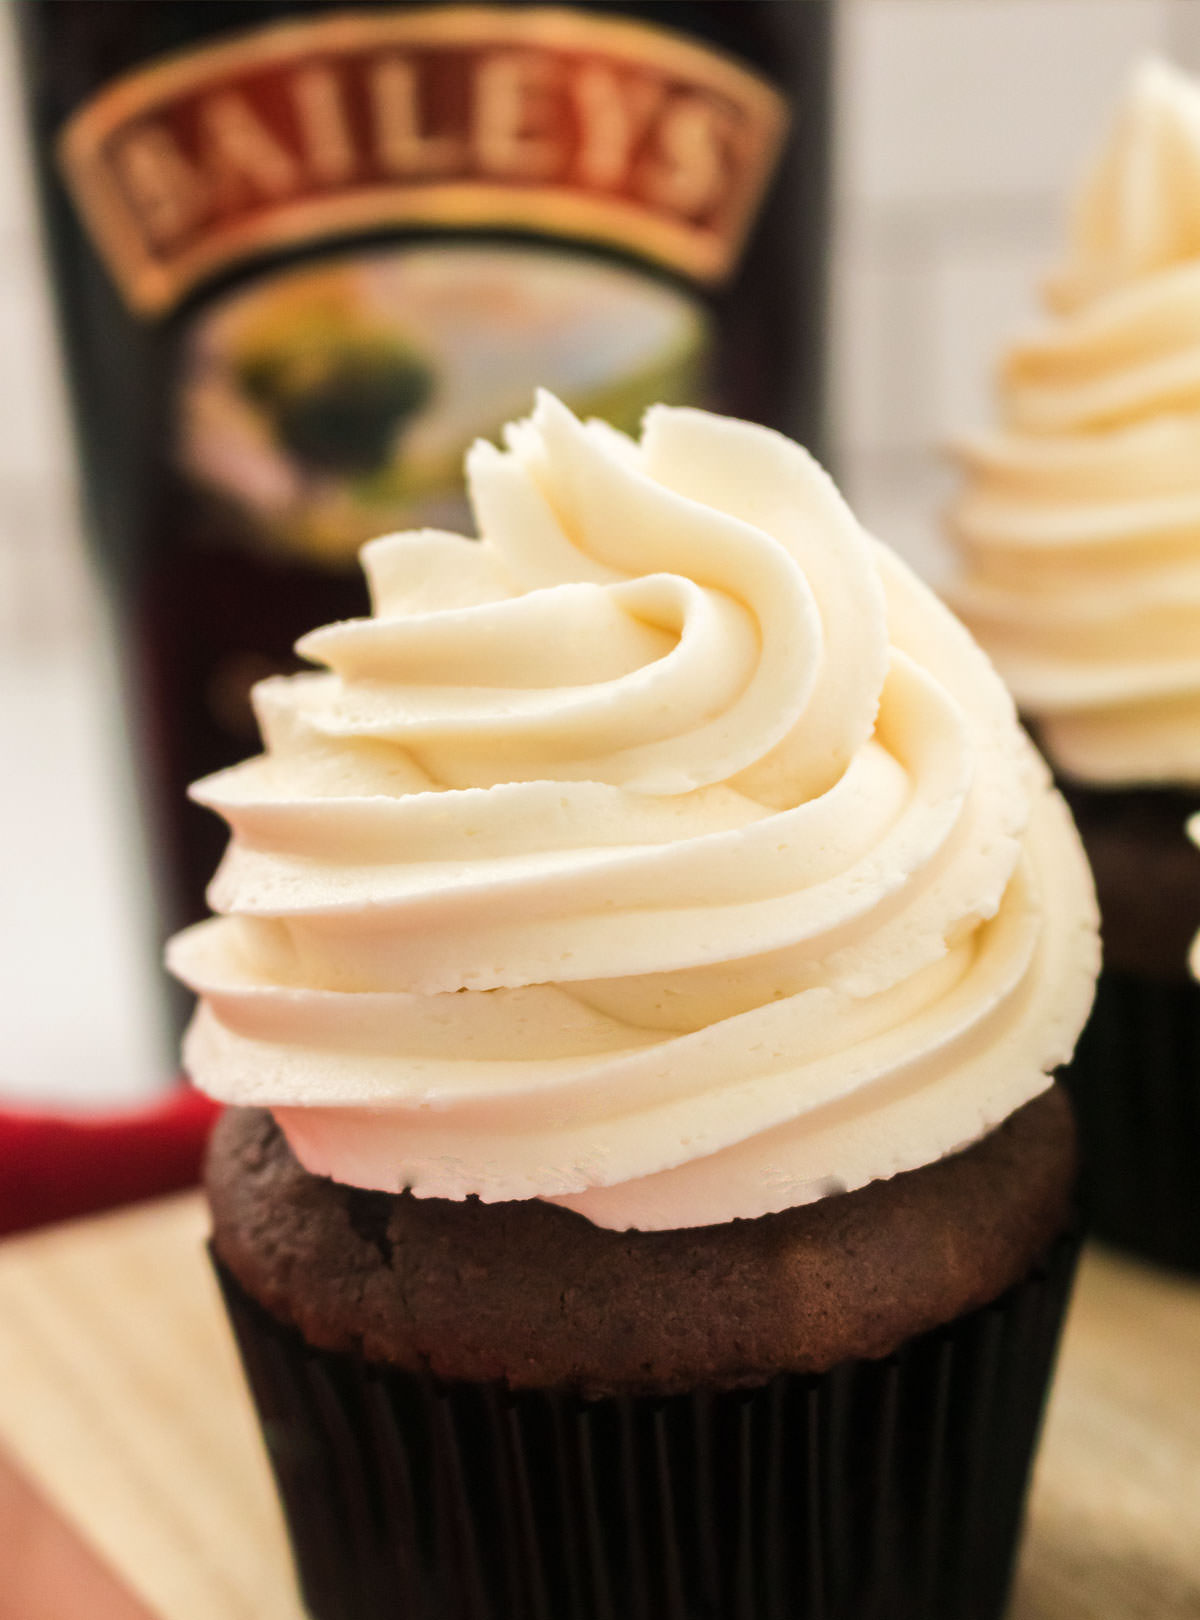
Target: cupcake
column 1079, row 536
column 643, row 957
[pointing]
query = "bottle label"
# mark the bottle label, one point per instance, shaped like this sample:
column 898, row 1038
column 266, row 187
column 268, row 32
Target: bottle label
column 325, row 403
column 564, row 123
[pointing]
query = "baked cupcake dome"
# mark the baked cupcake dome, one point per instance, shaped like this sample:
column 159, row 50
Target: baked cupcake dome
column 538, row 1297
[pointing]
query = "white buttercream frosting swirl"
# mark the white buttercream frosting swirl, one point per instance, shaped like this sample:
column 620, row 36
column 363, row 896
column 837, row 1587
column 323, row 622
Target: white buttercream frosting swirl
column 670, row 852
column 1079, row 529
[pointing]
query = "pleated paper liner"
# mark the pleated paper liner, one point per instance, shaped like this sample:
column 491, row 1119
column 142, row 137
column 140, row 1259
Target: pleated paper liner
column 1135, row 1083
column 888, row 1490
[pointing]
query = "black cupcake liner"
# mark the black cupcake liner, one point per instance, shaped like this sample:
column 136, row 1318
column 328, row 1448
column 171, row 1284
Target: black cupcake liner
column 1135, row 1083
column 882, row 1490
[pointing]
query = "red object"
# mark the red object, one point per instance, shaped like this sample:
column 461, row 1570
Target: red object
column 55, row 1166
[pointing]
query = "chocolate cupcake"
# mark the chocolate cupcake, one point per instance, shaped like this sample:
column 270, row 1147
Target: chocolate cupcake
column 643, row 960
column 1079, row 533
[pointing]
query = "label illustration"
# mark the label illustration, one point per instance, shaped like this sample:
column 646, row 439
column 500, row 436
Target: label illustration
column 326, row 404
column 565, row 123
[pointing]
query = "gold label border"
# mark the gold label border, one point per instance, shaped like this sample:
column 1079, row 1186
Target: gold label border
column 153, row 284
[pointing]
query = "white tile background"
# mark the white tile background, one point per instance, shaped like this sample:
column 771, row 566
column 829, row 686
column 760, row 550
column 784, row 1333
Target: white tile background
column 961, row 126
column 79, row 990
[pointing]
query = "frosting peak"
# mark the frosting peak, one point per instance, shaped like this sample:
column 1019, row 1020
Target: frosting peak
column 668, row 852
column 1079, row 528
column 1138, row 210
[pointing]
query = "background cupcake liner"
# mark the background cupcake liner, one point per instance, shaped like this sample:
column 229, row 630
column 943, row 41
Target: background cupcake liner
column 1135, row 1083
column 888, row 1490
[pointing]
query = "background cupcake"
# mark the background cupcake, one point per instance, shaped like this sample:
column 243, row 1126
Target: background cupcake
column 1079, row 536
column 642, row 962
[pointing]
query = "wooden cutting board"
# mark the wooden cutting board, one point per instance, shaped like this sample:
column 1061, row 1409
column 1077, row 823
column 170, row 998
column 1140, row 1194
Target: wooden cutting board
column 135, row 1486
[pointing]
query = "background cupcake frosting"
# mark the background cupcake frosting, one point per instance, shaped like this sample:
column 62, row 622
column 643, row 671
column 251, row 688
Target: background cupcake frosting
column 670, row 853
column 1080, row 526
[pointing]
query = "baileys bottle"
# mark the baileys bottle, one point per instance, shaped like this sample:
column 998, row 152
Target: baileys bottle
column 306, row 253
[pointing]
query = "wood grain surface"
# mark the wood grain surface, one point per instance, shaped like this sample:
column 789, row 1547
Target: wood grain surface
column 122, row 1407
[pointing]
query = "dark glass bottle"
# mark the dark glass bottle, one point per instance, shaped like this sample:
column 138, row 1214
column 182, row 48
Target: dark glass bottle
column 304, row 253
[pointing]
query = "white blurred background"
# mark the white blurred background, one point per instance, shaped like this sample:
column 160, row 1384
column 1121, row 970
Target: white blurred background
column 961, row 127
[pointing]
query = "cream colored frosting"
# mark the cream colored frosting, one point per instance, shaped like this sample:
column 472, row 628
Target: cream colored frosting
column 1079, row 528
column 670, row 852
